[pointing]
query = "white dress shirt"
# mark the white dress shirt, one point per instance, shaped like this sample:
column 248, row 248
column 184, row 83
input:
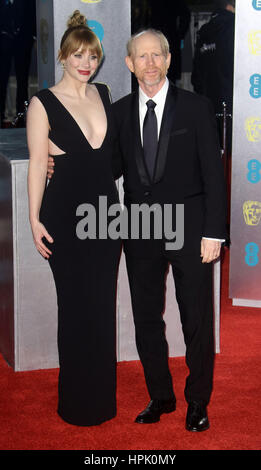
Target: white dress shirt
column 159, row 99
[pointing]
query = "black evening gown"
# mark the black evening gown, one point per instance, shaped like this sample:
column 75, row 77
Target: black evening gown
column 84, row 270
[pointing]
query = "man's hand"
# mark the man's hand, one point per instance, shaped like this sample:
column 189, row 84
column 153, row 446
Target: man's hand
column 210, row 250
column 50, row 167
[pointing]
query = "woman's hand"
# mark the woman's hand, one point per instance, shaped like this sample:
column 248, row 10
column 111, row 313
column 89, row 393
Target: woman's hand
column 39, row 231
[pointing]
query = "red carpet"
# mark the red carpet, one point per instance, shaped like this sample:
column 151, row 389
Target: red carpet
column 28, row 420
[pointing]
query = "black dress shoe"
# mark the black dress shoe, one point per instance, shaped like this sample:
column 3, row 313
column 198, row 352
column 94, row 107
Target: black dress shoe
column 155, row 409
column 197, row 418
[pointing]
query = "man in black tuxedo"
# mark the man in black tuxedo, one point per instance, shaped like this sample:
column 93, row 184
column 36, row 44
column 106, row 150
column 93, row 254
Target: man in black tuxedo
column 184, row 167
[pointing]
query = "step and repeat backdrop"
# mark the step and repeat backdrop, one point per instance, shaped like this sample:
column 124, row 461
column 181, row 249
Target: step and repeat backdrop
column 245, row 253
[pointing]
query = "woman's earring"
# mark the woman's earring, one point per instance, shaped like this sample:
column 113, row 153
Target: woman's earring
column 63, row 65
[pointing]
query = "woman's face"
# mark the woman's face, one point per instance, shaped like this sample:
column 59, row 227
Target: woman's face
column 81, row 65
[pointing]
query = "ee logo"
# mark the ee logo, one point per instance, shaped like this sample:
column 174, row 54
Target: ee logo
column 251, row 257
column 255, row 82
column 254, row 167
column 97, row 28
column 256, row 4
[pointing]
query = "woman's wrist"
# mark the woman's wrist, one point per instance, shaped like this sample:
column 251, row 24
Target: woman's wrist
column 34, row 219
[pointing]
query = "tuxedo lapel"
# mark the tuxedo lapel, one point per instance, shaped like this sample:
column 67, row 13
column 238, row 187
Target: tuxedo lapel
column 166, row 126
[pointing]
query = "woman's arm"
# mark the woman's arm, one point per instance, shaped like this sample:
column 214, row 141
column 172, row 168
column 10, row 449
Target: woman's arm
column 37, row 140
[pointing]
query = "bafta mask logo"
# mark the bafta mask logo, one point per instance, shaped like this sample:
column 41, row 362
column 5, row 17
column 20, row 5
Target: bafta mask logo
column 255, row 82
column 254, row 42
column 44, row 36
column 252, row 212
column 253, row 128
column 90, row 1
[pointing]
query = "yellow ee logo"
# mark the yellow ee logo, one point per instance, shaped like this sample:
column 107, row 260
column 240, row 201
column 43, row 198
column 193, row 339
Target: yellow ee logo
column 253, row 129
column 254, row 42
column 252, row 212
column 90, row 1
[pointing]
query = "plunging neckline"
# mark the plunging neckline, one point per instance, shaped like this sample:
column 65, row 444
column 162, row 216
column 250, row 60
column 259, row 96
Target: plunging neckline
column 76, row 123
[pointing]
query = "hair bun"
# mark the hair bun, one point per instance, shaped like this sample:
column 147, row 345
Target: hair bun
column 76, row 19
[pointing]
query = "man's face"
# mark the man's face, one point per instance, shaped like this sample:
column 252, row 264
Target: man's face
column 147, row 61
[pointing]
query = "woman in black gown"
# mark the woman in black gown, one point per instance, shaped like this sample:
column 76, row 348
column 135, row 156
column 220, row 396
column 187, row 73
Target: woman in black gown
column 73, row 122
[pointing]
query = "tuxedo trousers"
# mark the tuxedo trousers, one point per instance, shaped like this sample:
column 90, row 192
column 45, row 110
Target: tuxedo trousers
column 193, row 285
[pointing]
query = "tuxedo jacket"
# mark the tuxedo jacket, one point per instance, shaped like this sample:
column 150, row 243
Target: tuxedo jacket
column 188, row 168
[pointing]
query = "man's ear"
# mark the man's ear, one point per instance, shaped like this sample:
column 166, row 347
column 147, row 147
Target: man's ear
column 168, row 60
column 129, row 63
